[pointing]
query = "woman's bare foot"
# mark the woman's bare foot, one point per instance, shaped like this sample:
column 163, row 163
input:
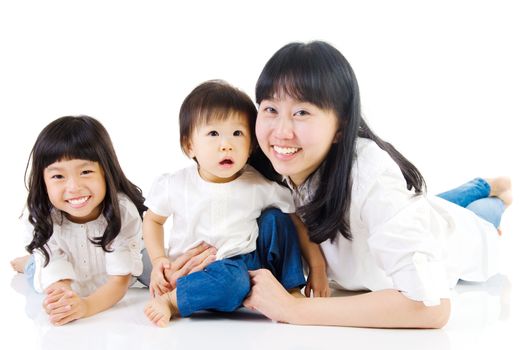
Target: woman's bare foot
column 18, row 264
column 501, row 187
column 160, row 309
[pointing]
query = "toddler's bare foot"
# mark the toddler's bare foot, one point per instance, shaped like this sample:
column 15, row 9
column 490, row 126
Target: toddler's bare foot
column 160, row 309
column 501, row 187
column 18, row 264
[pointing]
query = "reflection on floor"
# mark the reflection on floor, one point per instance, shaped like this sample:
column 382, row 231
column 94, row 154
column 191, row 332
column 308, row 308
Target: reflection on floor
column 480, row 319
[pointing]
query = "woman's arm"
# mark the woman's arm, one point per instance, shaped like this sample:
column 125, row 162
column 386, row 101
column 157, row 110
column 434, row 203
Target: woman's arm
column 382, row 309
column 71, row 307
column 317, row 278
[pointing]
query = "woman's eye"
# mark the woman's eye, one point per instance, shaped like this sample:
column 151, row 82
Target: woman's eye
column 57, row 177
column 301, row 113
column 270, row 110
column 212, row 133
column 238, row 133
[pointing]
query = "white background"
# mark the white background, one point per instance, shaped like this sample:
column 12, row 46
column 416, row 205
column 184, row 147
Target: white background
column 446, row 81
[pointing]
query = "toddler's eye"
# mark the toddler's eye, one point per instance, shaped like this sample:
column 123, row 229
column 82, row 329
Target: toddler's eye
column 238, row 133
column 212, row 133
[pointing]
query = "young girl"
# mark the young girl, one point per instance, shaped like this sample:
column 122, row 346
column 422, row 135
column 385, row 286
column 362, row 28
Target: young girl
column 84, row 216
column 364, row 203
column 217, row 203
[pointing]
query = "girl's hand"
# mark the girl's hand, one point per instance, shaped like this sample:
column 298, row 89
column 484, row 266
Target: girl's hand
column 317, row 284
column 269, row 297
column 54, row 292
column 69, row 307
column 193, row 260
column 158, row 283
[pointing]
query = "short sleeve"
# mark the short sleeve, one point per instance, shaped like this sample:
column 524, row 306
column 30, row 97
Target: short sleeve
column 158, row 199
column 125, row 257
column 59, row 266
column 401, row 233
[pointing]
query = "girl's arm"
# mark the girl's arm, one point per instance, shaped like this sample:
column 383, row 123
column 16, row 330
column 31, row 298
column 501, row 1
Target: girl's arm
column 317, row 278
column 153, row 238
column 71, row 307
column 381, row 309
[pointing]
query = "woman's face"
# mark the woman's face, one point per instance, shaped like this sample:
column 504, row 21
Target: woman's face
column 296, row 136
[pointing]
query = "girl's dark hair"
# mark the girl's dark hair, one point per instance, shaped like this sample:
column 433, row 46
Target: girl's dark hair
column 318, row 73
column 68, row 138
column 214, row 100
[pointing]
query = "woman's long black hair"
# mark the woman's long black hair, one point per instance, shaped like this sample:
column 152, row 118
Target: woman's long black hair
column 318, row 73
column 68, row 138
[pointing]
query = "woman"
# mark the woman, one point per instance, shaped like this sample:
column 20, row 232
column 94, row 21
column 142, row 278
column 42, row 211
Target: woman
column 364, row 203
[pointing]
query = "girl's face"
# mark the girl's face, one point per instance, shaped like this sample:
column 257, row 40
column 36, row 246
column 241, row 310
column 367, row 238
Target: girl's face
column 296, row 136
column 221, row 148
column 77, row 187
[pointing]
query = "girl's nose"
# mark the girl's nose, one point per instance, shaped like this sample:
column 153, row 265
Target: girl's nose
column 72, row 184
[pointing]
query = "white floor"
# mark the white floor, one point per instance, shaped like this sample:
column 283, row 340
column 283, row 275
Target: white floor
column 484, row 316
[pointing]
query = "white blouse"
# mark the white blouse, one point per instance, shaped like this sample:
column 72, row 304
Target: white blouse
column 73, row 256
column 223, row 215
column 418, row 245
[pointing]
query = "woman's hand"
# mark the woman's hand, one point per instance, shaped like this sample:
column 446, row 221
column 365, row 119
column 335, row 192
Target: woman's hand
column 269, row 297
column 69, row 307
column 195, row 259
column 317, row 284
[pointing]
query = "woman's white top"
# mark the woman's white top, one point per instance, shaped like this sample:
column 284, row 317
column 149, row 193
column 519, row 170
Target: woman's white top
column 418, row 245
column 223, row 215
column 73, row 256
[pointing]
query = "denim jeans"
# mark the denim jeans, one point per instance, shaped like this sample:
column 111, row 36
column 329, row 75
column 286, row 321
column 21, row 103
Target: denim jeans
column 224, row 284
column 474, row 196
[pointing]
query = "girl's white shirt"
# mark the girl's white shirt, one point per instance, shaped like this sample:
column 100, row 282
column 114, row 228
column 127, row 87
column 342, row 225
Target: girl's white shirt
column 223, row 215
column 418, row 245
column 73, row 256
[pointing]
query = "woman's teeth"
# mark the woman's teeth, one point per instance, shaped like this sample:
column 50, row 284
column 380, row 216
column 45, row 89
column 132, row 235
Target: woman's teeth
column 285, row 150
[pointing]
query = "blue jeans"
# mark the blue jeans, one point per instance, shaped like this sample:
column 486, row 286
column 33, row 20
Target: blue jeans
column 224, row 284
column 474, row 196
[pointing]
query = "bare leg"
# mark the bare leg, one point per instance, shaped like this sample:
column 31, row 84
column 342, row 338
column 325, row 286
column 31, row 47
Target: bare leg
column 160, row 309
column 501, row 187
column 18, row 264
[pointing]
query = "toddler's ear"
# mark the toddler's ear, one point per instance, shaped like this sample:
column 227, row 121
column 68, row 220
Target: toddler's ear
column 189, row 150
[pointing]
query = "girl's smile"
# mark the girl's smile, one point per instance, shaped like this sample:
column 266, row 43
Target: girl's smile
column 76, row 187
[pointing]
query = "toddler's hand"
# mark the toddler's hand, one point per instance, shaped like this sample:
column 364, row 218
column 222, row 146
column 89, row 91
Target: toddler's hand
column 159, row 285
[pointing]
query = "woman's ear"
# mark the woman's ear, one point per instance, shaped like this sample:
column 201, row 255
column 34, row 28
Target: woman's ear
column 337, row 137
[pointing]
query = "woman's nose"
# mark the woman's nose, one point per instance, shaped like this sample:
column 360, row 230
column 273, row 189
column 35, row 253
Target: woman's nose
column 284, row 128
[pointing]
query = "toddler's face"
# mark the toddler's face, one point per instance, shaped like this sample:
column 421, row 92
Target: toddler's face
column 221, row 148
column 77, row 187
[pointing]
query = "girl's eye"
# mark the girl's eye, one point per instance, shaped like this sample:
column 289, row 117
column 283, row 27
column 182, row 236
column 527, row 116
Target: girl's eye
column 212, row 133
column 238, row 133
column 86, row 172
